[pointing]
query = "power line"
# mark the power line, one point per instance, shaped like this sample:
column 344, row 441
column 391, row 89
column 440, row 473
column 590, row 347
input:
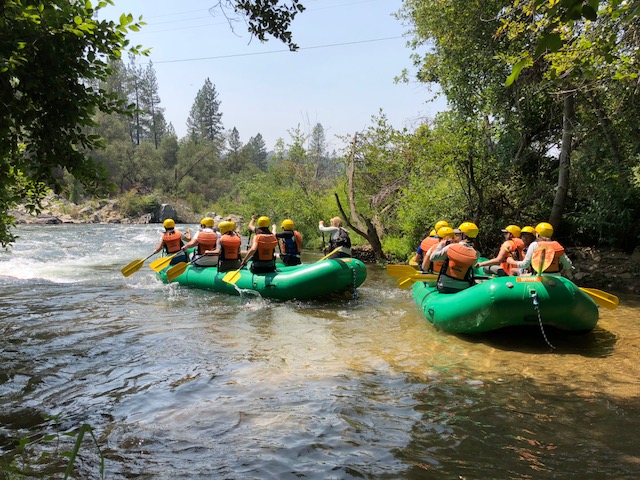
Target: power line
column 330, row 45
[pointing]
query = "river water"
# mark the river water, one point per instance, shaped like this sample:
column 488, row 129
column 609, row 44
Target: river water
column 182, row 383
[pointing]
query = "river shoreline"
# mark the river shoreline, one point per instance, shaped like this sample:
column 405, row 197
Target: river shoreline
column 595, row 267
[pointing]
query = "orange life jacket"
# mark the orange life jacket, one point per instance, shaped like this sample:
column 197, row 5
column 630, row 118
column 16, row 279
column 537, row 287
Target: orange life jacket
column 515, row 247
column 460, row 260
column 427, row 243
column 230, row 246
column 267, row 244
column 206, row 241
column 558, row 251
column 172, row 241
column 436, row 266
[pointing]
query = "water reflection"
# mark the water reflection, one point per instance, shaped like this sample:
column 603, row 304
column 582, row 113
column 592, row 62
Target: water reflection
column 182, row 383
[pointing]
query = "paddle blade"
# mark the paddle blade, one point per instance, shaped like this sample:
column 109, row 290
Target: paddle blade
column 231, row 277
column 132, row 268
column 161, row 263
column 407, row 282
column 177, row 270
column 400, row 270
column 604, row 299
column 329, row 254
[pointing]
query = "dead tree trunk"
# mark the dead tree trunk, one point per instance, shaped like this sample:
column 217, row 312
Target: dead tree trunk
column 562, row 191
column 357, row 222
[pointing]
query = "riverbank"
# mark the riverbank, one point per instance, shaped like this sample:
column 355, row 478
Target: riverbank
column 595, row 267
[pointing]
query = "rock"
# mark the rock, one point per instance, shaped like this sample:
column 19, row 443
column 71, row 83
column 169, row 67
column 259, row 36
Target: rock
column 579, row 276
column 146, row 218
column 166, row 211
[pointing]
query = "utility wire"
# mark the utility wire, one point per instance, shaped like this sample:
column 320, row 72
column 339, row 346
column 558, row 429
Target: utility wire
column 330, row 45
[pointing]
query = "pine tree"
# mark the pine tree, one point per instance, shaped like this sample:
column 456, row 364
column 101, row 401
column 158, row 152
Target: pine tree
column 153, row 123
column 257, row 152
column 205, row 119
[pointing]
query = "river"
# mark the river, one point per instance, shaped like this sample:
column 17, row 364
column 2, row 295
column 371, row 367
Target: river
column 182, row 383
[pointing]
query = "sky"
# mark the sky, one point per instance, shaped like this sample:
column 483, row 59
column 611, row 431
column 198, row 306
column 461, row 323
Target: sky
column 343, row 74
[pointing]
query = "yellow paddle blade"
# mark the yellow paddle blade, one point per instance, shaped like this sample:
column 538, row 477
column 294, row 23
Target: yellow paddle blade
column 408, row 281
column 400, row 270
column 329, row 254
column 177, row 270
column 231, row 277
column 132, row 268
column 604, row 299
column 161, row 263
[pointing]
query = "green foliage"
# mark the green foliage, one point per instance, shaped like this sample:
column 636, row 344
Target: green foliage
column 133, row 204
column 399, row 248
column 53, row 56
column 48, row 453
column 270, row 18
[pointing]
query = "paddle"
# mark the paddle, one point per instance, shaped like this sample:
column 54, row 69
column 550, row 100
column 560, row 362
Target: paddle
column 134, row 266
column 400, row 270
column 407, row 282
column 541, row 262
column 162, row 263
column 179, row 268
column 233, row 276
column 329, row 254
column 603, row 299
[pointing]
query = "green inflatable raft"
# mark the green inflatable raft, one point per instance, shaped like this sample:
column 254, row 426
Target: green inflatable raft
column 507, row 301
column 300, row 282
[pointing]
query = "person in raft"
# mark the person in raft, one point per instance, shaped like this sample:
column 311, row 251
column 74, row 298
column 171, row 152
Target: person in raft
column 528, row 235
column 228, row 247
column 205, row 239
column 290, row 243
column 172, row 241
column 262, row 248
column 560, row 264
column 445, row 233
column 513, row 247
column 339, row 238
column 459, row 258
column 427, row 243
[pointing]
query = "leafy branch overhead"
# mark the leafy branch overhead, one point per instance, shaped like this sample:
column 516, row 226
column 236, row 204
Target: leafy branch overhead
column 567, row 25
column 267, row 17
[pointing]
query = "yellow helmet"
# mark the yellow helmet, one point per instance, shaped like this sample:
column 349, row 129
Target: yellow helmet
column 445, row 232
column 231, row 225
column 513, row 230
column 440, row 224
column 528, row 229
column 207, row 222
column 169, row 224
column 469, row 229
column 287, row 224
column 544, row 229
column 263, row 222
column 433, row 233
column 223, row 226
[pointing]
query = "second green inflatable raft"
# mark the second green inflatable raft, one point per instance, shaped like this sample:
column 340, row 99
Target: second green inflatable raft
column 508, row 301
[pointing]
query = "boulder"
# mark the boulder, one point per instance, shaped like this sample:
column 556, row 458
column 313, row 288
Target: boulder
column 165, row 211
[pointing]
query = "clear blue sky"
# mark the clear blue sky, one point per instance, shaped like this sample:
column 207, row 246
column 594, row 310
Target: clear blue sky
column 350, row 52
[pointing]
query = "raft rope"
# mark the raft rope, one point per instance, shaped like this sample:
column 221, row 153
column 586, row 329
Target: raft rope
column 536, row 305
column 355, row 290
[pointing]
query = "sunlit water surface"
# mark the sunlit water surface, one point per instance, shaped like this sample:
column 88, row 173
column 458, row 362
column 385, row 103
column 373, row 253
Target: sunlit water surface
column 182, row 383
